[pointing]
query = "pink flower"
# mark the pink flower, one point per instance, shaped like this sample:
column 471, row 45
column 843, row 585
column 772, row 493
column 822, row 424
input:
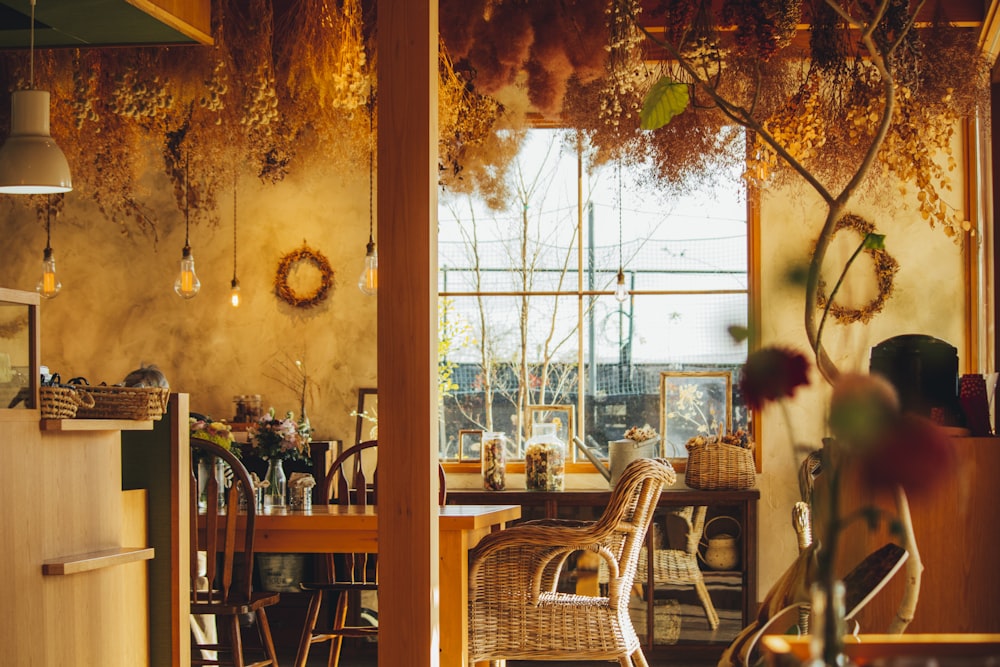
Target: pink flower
column 772, row 373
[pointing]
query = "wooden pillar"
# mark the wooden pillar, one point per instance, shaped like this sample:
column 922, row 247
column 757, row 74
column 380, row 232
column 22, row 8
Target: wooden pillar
column 407, row 332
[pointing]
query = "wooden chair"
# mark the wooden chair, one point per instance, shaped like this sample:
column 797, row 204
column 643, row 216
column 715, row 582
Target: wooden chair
column 351, row 480
column 515, row 609
column 228, row 545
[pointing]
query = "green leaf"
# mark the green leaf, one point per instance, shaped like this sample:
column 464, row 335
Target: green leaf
column 875, row 241
column 739, row 333
column 665, row 99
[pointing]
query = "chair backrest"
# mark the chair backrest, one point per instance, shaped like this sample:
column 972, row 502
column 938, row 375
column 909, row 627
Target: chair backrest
column 353, row 480
column 627, row 517
column 356, row 468
column 685, row 527
column 228, row 535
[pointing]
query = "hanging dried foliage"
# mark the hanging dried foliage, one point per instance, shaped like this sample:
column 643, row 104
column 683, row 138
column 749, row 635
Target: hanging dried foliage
column 325, row 62
column 548, row 43
column 473, row 153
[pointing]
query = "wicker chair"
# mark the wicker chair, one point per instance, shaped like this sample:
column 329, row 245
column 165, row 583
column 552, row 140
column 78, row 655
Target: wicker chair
column 677, row 567
column 515, row 611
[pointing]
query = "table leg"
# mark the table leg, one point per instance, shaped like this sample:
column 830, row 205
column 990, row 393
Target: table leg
column 453, row 553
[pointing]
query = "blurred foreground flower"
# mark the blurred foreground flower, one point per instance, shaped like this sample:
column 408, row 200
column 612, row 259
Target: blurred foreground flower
column 898, row 452
column 772, row 373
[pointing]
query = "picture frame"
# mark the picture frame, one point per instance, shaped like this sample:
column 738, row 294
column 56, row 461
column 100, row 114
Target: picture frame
column 470, row 442
column 367, row 412
column 547, row 414
column 693, row 403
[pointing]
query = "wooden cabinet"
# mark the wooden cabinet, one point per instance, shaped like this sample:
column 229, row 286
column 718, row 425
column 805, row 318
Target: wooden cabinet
column 956, row 527
column 669, row 619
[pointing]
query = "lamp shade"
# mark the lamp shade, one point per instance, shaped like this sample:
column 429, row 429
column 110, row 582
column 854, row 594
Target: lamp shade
column 30, row 161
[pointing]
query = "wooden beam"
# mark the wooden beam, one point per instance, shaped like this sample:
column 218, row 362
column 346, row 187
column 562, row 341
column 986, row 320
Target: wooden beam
column 409, row 629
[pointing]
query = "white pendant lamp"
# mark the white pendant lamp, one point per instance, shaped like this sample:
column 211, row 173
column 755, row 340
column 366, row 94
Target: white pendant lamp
column 30, row 161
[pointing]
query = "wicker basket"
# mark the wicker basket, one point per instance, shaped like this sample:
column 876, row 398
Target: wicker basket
column 141, row 403
column 717, row 466
column 62, row 402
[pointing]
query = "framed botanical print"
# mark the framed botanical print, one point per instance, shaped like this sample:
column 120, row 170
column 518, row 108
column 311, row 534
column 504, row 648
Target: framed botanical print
column 560, row 415
column 693, row 403
column 470, row 442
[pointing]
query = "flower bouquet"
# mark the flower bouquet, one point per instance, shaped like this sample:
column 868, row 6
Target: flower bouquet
column 276, row 440
column 273, row 439
column 218, row 432
column 221, row 434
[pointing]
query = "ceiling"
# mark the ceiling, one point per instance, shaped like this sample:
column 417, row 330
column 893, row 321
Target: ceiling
column 80, row 23
column 68, row 23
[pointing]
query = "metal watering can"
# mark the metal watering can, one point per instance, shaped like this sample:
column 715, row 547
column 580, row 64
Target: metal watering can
column 620, row 454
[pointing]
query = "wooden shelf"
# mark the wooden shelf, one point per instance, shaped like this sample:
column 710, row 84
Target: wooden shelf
column 96, row 560
column 96, row 425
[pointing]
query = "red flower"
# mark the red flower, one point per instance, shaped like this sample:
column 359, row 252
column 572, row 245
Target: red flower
column 772, row 373
column 915, row 454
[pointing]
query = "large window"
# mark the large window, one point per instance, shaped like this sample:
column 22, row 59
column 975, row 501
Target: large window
column 530, row 324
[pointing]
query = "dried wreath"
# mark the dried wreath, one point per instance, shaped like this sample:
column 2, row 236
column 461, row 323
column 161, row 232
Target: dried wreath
column 292, row 259
column 885, row 272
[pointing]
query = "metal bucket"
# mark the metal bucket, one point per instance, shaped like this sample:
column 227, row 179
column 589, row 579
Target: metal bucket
column 623, row 452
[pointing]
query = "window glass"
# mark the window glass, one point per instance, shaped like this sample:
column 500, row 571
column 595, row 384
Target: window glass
column 528, row 315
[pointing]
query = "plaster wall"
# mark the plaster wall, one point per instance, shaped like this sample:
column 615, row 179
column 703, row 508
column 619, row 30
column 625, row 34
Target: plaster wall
column 118, row 309
column 928, row 298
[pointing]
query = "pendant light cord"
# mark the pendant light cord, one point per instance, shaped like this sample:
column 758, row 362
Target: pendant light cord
column 48, row 223
column 31, row 78
column 371, row 169
column 187, row 204
column 619, row 170
column 235, row 179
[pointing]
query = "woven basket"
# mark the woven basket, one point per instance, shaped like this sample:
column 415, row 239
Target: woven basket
column 62, row 402
column 717, row 466
column 140, row 403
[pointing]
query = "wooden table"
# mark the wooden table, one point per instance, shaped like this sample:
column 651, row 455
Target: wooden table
column 334, row 528
column 973, row 649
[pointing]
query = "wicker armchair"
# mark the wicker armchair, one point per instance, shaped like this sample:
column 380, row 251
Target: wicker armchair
column 678, row 567
column 515, row 611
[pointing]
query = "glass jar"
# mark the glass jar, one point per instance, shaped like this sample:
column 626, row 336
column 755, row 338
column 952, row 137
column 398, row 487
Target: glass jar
column 494, row 461
column 544, row 460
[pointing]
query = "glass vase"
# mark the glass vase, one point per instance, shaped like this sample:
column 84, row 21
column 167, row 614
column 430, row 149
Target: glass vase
column 205, row 471
column 544, row 460
column 274, row 493
column 493, row 458
column 827, row 626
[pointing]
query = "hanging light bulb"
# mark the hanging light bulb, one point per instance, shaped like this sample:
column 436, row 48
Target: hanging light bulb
column 49, row 285
column 368, row 282
column 31, row 162
column 234, row 293
column 234, row 284
column 187, row 284
column 621, row 291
